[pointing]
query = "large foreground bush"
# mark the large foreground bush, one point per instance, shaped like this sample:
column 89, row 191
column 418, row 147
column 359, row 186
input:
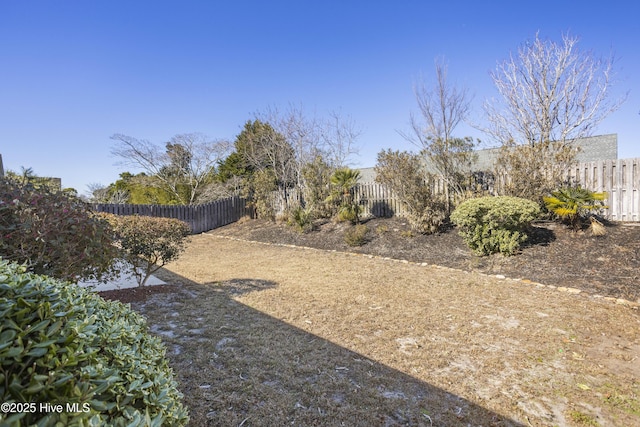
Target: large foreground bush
column 495, row 224
column 62, row 344
column 53, row 233
column 148, row 243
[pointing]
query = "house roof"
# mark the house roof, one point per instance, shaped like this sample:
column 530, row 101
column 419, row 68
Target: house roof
column 601, row 147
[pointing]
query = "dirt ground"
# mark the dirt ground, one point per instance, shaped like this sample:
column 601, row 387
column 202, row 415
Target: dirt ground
column 263, row 335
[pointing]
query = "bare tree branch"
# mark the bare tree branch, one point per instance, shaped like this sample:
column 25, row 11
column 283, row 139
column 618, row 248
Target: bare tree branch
column 550, row 92
column 441, row 109
column 339, row 135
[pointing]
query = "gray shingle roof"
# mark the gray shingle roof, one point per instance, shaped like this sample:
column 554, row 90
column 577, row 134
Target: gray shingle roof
column 601, row 147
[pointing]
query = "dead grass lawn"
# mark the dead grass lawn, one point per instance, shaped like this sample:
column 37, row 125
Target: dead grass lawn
column 263, row 335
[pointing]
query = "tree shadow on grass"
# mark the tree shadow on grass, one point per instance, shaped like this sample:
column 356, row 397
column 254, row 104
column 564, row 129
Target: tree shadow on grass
column 239, row 366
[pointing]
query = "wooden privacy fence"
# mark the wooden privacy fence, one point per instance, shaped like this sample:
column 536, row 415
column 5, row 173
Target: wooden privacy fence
column 620, row 179
column 375, row 199
column 200, row 218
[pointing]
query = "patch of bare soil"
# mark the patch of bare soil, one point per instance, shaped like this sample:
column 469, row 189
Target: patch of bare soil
column 264, row 335
column 136, row 294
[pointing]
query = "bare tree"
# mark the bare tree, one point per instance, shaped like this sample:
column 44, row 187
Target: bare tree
column 339, row 136
column 279, row 145
column 550, row 93
column 264, row 148
column 299, row 133
column 441, row 109
column 183, row 169
column 333, row 138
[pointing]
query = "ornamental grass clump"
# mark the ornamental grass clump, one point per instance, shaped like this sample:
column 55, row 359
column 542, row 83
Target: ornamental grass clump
column 62, row 344
column 301, row 219
column 495, row 224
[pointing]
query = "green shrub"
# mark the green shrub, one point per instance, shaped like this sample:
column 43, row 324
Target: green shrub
column 573, row 205
column 495, row 224
column 356, row 235
column 316, row 176
column 54, row 233
column 301, row 219
column 63, row 344
column 259, row 190
column 148, row 243
column 349, row 212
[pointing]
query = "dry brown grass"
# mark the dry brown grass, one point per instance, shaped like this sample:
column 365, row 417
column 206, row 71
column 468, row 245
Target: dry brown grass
column 272, row 335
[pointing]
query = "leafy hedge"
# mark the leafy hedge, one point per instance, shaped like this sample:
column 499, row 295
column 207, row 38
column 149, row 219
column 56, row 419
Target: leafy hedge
column 54, row 233
column 63, row 344
column 495, row 224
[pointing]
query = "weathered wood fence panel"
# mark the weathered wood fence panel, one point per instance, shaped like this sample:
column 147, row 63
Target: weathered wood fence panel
column 378, row 200
column 201, row 218
column 620, row 179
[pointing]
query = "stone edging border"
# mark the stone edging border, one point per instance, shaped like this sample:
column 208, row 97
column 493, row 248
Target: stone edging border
column 568, row 290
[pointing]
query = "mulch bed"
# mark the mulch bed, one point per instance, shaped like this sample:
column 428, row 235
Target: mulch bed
column 129, row 295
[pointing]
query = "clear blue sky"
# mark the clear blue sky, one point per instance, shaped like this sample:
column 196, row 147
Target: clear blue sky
column 75, row 72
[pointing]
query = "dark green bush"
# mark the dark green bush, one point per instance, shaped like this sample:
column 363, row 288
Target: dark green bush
column 63, row 344
column 148, row 243
column 53, row 233
column 495, row 224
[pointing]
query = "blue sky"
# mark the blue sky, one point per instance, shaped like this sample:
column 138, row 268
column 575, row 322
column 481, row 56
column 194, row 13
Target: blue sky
column 75, row 72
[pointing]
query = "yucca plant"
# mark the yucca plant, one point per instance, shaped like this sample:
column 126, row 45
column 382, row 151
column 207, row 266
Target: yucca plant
column 574, row 205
